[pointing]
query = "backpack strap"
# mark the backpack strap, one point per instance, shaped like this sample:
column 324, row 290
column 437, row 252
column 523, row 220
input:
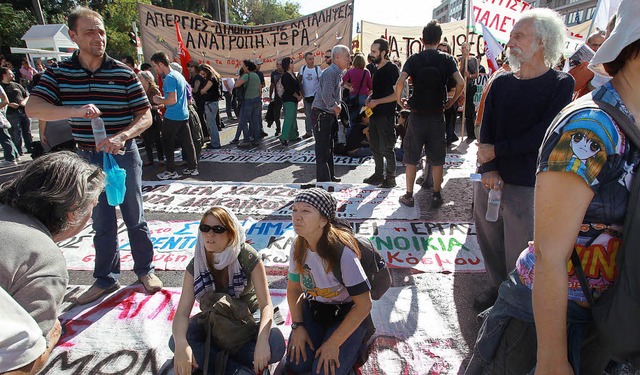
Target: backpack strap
column 243, row 259
column 337, row 272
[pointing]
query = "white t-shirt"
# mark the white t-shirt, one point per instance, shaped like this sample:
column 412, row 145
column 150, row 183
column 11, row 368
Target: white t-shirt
column 230, row 81
column 21, row 340
column 310, row 79
column 324, row 287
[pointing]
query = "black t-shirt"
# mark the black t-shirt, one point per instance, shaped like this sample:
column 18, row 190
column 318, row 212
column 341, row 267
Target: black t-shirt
column 372, row 68
column 291, row 85
column 196, row 94
column 15, row 93
column 213, row 94
column 261, row 75
column 383, row 84
column 445, row 63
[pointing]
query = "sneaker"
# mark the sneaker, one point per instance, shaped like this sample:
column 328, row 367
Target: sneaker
column 420, row 180
column 388, row 183
column 406, row 200
column 233, row 142
column 94, row 293
column 244, row 144
column 263, row 134
column 284, row 142
column 436, row 200
column 307, row 136
column 151, row 282
column 277, row 134
column 191, row 172
column 374, row 179
column 166, row 175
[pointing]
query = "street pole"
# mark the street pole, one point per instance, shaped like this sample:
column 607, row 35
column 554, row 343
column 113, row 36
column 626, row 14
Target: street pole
column 219, row 12
column 38, row 11
column 226, row 11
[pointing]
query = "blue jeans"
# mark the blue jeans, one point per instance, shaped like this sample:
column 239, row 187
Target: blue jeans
column 249, row 122
column 210, row 111
column 319, row 333
column 514, row 305
column 354, row 111
column 20, row 129
column 105, row 224
column 197, row 339
column 10, row 151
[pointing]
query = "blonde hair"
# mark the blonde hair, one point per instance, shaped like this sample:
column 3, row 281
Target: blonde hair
column 359, row 61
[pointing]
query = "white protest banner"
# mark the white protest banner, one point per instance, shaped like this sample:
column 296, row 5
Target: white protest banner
column 128, row 333
column 355, row 201
column 423, row 246
column 224, row 46
column 231, row 155
column 499, row 16
column 404, row 41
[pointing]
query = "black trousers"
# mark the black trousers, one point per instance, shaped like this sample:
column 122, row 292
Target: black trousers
column 324, row 131
column 178, row 132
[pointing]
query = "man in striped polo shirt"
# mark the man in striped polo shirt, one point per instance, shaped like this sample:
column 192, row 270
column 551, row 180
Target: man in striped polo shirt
column 88, row 85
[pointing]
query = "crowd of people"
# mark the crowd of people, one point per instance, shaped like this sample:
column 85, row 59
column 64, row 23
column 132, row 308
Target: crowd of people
column 563, row 173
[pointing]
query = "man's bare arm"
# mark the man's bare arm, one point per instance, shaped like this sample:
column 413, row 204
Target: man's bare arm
column 41, row 109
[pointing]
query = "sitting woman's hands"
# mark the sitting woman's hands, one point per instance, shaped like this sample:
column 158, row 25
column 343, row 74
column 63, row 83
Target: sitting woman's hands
column 183, row 361
column 297, row 350
column 261, row 356
column 328, row 357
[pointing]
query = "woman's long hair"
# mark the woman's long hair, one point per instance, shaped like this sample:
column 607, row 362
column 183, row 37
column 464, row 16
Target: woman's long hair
column 210, row 72
column 333, row 239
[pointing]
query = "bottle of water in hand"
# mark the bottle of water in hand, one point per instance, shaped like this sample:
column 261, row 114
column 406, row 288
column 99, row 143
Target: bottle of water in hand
column 99, row 132
column 493, row 205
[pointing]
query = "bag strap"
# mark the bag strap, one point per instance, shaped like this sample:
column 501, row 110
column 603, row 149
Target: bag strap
column 364, row 73
column 579, row 271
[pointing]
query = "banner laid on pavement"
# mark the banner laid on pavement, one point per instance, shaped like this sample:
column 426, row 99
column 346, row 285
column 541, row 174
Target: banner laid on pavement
column 423, row 246
column 234, row 155
column 355, row 201
column 224, row 46
column 128, row 333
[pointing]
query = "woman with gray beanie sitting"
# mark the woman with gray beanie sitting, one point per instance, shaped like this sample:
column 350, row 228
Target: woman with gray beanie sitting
column 330, row 318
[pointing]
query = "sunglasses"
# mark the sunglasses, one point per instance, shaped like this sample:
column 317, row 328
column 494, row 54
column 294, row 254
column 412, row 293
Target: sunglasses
column 204, row 228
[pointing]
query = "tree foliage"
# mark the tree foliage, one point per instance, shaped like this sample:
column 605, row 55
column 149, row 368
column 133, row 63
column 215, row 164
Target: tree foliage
column 13, row 25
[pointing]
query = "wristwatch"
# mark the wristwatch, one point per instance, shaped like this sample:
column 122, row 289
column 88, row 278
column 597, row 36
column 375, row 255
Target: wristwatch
column 295, row 325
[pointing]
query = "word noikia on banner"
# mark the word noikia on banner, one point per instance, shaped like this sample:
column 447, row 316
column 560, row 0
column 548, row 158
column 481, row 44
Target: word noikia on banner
column 225, row 46
column 423, row 246
column 355, row 201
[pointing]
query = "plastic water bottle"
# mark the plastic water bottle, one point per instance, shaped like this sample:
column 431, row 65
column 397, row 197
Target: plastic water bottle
column 493, row 205
column 99, row 133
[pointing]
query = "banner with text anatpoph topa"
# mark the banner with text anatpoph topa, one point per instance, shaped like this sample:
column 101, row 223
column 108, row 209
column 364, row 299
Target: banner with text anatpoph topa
column 224, row 46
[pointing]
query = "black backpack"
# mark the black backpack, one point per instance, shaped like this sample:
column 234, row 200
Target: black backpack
column 374, row 267
column 616, row 314
column 429, row 85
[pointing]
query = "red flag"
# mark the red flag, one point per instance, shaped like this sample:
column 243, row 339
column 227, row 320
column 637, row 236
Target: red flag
column 185, row 57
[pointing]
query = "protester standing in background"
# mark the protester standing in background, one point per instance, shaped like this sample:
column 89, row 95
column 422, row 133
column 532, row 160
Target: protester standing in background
column 20, row 122
column 290, row 97
column 309, row 77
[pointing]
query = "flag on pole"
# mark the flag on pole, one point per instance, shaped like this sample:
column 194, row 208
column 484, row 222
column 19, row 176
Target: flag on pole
column 185, row 57
column 492, row 48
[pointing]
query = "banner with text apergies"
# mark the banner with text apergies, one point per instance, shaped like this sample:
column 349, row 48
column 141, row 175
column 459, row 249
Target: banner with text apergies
column 224, row 46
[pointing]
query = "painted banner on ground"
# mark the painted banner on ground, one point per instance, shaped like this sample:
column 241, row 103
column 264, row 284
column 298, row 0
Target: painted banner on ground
column 423, row 246
column 355, row 201
column 234, row 155
column 128, row 333
column 224, row 46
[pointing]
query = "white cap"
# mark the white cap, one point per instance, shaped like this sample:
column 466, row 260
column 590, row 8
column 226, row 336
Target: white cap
column 627, row 31
column 257, row 61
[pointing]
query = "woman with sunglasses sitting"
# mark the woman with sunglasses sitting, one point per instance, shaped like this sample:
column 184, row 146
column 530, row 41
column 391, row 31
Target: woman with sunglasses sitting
column 224, row 263
column 331, row 320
